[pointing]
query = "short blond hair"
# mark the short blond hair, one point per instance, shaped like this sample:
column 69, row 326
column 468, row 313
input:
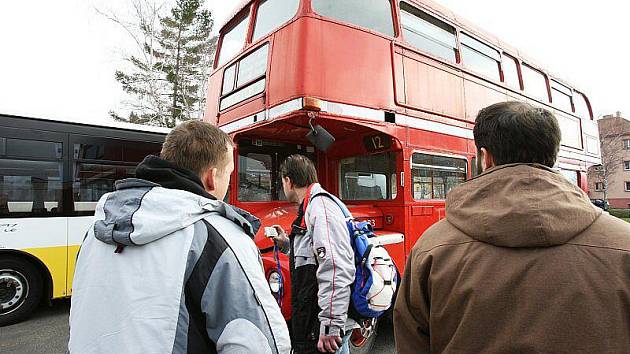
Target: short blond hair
column 197, row 146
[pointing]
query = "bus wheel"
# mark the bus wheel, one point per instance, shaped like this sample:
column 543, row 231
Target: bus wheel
column 20, row 289
column 362, row 339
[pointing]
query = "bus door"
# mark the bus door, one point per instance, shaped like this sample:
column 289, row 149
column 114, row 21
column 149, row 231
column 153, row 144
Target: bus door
column 432, row 177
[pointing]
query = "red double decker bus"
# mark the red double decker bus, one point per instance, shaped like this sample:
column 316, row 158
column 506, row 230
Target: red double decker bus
column 398, row 84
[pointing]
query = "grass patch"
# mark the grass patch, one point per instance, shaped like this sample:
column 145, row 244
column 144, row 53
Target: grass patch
column 620, row 213
column 626, row 219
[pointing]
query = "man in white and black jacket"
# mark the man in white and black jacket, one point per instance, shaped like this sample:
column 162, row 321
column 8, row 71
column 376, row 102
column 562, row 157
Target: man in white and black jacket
column 168, row 267
column 321, row 263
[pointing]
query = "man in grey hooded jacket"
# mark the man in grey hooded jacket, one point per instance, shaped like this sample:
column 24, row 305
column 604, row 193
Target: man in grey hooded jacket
column 168, row 267
column 321, row 263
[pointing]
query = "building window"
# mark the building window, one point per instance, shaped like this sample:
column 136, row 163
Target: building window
column 510, row 72
column 626, row 165
column 272, row 14
column 375, row 15
column 626, row 144
column 434, row 176
column 627, row 186
column 480, row 57
column 599, row 186
column 428, row 33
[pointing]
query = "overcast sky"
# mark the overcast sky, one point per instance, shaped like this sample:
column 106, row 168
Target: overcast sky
column 57, row 58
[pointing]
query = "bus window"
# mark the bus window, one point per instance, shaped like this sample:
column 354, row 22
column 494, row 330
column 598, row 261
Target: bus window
column 434, row 176
column 561, row 96
column 271, row 14
column 36, row 149
column 30, row 188
column 31, row 172
column 92, row 181
column 592, row 145
column 247, row 81
column 510, row 72
column 254, row 177
column 234, row 40
column 572, row 176
column 98, row 163
column 474, row 172
column 581, row 107
column 480, row 57
column 535, row 83
column 371, row 177
column 428, row 33
column 258, row 163
column 375, row 15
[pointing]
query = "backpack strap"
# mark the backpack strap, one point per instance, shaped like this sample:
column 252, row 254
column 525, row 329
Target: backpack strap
column 309, row 198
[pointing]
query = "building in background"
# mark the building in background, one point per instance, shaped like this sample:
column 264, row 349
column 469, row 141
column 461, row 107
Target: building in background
column 611, row 180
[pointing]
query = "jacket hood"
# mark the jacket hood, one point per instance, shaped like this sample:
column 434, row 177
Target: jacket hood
column 520, row 205
column 139, row 212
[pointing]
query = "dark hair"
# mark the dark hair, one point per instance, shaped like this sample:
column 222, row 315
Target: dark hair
column 196, row 145
column 517, row 132
column 300, row 170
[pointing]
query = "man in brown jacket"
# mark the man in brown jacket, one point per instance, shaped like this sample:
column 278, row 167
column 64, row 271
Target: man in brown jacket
column 523, row 263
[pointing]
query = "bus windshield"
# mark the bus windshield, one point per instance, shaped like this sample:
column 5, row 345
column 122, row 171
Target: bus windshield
column 258, row 165
column 370, row 177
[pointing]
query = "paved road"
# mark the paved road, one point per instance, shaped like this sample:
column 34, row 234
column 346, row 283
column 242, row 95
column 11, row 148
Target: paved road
column 47, row 332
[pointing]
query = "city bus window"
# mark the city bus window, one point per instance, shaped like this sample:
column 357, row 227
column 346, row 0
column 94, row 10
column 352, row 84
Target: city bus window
column 233, row 41
column 371, row 177
column 535, row 83
column 33, row 149
column 92, row 181
column 561, row 96
column 31, row 172
column 434, row 176
column 30, row 188
column 271, row 14
column 480, row 57
column 375, row 15
column 428, row 33
column 510, row 72
column 581, row 107
column 258, row 165
column 99, row 162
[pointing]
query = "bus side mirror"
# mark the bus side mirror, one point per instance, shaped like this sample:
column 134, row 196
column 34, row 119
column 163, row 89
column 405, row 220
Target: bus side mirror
column 320, row 137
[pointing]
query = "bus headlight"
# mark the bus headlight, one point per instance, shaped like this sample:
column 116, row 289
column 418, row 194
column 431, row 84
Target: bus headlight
column 274, row 282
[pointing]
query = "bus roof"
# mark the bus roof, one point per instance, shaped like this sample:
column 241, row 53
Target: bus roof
column 454, row 18
column 118, row 125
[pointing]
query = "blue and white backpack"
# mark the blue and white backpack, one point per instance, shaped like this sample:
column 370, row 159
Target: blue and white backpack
column 375, row 277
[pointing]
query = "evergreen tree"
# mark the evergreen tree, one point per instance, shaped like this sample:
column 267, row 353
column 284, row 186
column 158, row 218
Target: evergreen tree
column 168, row 81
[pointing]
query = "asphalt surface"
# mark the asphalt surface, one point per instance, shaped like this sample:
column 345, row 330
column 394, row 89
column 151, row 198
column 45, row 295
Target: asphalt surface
column 47, row 332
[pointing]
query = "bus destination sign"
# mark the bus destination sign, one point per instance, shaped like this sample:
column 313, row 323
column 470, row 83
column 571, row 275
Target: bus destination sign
column 379, row 142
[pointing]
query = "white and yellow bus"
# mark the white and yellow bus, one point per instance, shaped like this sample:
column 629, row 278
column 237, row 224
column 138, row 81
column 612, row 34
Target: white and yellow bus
column 51, row 177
